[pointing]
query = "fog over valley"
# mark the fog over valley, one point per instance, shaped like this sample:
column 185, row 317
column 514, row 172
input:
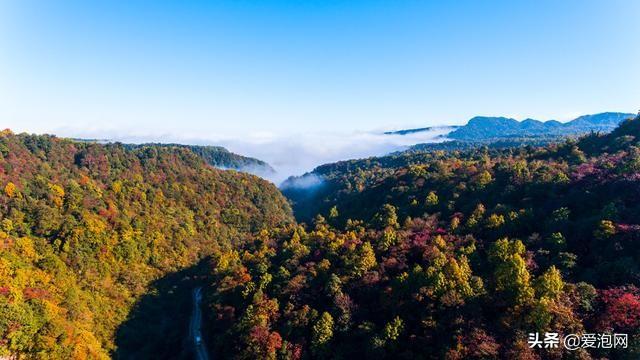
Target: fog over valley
column 289, row 155
column 297, row 154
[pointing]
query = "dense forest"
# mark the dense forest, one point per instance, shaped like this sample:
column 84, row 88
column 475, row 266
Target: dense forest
column 444, row 254
column 454, row 254
column 88, row 232
column 219, row 157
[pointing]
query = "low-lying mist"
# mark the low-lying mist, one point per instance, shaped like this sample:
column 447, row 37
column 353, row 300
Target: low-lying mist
column 289, row 155
column 305, row 182
column 296, row 155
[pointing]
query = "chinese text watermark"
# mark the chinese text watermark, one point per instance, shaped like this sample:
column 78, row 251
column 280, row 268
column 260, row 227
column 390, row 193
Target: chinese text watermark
column 550, row 340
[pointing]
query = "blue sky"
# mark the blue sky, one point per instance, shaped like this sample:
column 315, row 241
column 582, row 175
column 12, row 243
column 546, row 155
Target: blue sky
column 206, row 69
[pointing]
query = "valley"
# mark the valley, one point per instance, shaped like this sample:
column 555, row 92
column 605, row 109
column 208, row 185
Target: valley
column 319, row 180
column 113, row 251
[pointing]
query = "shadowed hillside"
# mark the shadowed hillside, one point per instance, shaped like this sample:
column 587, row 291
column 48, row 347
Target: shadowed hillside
column 85, row 228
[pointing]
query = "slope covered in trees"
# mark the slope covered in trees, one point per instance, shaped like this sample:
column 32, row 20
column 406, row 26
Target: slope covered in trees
column 456, row 255
column 443, row 254
column 334, row 183
column 502, row 132
column 85, row 228
column 220, row 157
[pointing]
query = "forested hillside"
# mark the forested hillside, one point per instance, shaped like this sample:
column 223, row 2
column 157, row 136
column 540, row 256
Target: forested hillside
column 220, row 157
column 86, row 228
column 502, row 132
column 456, row 255
column 426, row 255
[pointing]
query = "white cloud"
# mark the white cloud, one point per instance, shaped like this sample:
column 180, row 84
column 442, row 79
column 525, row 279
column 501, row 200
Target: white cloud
column 307, row 181
column 295, row 155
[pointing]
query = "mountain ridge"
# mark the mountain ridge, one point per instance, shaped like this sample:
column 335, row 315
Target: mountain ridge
column 214, row 155
column 483, row 127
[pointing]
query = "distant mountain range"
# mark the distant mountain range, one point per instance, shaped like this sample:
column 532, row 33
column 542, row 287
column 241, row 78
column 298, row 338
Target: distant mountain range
column 485, row 128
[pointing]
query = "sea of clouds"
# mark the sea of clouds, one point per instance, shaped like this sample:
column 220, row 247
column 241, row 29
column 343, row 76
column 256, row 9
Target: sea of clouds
column 297, row 154
column 289, row 155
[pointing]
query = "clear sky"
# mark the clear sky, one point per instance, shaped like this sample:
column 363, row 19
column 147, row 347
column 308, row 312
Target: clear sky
column 255, row 68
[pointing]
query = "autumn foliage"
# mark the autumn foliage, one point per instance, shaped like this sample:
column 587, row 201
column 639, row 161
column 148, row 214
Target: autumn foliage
column 85, row 228
column 455, row 255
